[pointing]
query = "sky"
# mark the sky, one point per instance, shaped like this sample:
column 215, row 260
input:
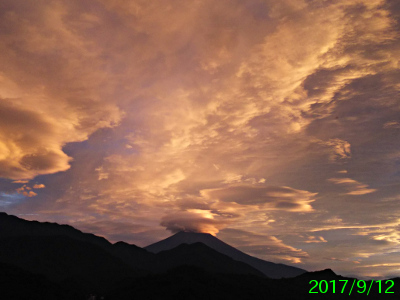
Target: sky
column 273, row 125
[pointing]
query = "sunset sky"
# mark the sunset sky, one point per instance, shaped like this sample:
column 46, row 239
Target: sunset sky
column 272, row 124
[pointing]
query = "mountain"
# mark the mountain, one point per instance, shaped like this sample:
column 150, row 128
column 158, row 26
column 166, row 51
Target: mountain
column 269, row 269
column 12, row 226
column 61, row 252
column 51, row 261
column 194, row 283
column 16, row 283
column 202, row 256
column 137, row 258
column 61, row 258
column 188, row 282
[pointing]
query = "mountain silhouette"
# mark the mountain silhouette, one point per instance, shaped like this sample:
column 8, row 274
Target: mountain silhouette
column 272, row 270
column 52, row 261
column 62, row 258
column 16, row 284
column 12, row 226
column 62, row 253
column 138, row 259
column 202, row 256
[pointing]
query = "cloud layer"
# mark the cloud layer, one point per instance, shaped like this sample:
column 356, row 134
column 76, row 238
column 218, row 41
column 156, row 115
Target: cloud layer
column 273, row 121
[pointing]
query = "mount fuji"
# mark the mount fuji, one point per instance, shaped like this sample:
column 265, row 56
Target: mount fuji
column 270, row 269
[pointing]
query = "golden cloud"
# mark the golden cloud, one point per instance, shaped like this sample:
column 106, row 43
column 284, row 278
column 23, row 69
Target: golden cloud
column 26, row 191
column 39, row 186
column 217, row 111
column 188, row 221
column 269, row 197
column 262, row 245
column 354, row 187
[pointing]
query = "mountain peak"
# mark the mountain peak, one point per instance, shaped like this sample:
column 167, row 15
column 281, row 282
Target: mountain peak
column 192, row 233
column 185, row 237
column 322, row 274
column 183, row 232
column 268, row 268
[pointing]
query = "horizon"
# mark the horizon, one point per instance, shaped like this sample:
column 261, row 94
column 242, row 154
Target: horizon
column 272, row 125
column 172, row 234
column 160, row 241
column 209, row 234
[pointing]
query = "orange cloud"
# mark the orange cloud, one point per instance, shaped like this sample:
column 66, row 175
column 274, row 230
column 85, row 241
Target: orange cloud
column 192, row 222
column 223, row 116
column 43, row 104
column 29, row 194
column 270, row 197
column 315, row 239
column 392, row 125
column 341, row 149
column 39, row 186
column 354, row 187
column 262, row 245
column 26, row 191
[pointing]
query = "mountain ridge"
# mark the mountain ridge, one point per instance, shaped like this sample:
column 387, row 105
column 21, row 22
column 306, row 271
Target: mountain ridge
column 200, row 255
column 270, row 269
column 138, row 257
column 41, row 264
column 46, row 248
column 12, row 226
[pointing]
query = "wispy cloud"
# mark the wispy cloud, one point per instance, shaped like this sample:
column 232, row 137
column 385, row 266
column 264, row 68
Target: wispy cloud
column 354, row 187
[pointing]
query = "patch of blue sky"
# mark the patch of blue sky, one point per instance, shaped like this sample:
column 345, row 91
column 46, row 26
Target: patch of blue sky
column 10, row 199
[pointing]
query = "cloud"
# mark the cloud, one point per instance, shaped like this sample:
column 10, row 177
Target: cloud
column 102, row 174
column 207, row 116
column 43, row 104
column 343, row 260
column 117, row 230
column 39, row 186
column 262, row 245
column 25, row 155
column 315, row 239
column 341, row 149
column 199, row 221
column 391, row 125
column 29, row 194
column 354, row 187
column 279, row 198
column 26, row 191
